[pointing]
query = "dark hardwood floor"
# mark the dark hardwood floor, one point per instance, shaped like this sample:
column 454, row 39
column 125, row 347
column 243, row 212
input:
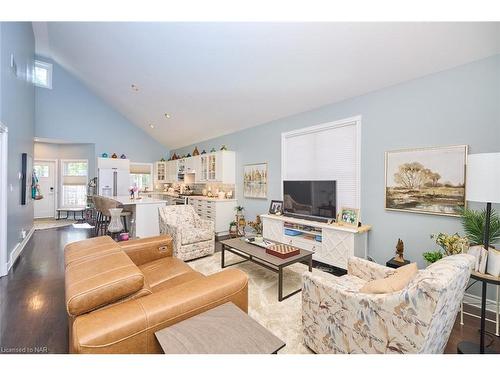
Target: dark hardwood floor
column 32, row 312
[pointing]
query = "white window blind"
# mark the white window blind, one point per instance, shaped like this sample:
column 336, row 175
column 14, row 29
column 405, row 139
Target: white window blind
column 74, row 183
column 326, row 152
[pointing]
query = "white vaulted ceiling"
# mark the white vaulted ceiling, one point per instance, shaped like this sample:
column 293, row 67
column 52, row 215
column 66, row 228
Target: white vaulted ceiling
column 217, row 78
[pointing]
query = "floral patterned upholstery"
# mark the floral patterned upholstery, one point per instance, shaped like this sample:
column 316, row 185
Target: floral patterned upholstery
column 192, row 236
column 336, row 318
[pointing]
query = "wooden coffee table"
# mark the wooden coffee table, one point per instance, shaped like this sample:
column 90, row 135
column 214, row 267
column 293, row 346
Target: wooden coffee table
column 223, row 330
column 258, row 255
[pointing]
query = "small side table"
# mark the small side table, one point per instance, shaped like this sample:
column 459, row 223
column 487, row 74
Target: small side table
column 466, row 347
column 395, row 264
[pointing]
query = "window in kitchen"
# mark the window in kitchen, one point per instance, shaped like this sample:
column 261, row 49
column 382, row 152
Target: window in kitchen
column 141, row 175
column 74, row 183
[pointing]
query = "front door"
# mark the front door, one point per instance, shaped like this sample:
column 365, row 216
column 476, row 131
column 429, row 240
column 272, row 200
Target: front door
column 46, row 172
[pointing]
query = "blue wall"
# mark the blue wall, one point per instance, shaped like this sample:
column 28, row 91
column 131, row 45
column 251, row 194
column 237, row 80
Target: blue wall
column 458, row 106
column 17, row 112
column 71, row 112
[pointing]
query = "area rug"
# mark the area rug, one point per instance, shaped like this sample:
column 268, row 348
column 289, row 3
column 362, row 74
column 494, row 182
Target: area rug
column 282, row 318
column 50, row 223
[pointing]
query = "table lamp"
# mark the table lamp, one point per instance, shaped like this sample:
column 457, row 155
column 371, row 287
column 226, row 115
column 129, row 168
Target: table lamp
column 482, row 185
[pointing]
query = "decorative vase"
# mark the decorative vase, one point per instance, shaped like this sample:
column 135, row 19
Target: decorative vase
column 123, row 156
column 259, row 238
column 195, row 151
column 115, row 223
column 114, row 156
column 104, row 155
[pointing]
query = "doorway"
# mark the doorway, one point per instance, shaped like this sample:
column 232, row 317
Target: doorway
column 46, row 172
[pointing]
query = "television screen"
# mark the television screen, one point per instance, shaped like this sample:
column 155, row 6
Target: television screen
column 310, row 198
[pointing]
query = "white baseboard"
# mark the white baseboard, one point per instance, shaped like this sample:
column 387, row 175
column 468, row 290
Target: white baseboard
column 472, row 299
column 19, row 249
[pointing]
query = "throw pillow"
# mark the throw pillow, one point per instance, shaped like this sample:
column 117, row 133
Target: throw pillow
column 393, row 283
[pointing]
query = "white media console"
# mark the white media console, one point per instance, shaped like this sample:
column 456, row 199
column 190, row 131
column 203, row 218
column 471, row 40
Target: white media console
column 332, row 244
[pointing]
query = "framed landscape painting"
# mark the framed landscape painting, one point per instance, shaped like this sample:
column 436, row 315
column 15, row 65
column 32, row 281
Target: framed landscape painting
column 255, row 181
column 426, row 180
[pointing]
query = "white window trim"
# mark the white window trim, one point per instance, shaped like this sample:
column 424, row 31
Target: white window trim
column 317, row 128
column 48, row 67
column 4, row 266
column 62, row 161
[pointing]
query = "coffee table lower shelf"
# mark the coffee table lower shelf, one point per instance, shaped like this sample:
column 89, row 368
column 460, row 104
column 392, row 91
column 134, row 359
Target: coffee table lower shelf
column 259, row 256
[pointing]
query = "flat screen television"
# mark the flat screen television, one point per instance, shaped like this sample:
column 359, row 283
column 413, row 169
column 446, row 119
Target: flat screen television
column 310, row 199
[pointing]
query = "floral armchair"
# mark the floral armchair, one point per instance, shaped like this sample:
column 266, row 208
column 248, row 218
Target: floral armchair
column 192, row 236
column 336, row 318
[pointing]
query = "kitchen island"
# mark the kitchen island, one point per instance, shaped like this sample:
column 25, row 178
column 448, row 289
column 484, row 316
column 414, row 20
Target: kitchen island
column 145, row 220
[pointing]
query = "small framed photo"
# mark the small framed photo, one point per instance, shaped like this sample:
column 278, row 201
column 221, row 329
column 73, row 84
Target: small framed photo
column 348, row 216
column 276, row 207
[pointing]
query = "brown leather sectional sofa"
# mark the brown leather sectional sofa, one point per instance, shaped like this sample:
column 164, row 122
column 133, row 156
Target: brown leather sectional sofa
column 119, row 294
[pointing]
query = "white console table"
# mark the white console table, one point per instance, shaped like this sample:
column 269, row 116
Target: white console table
column 332, row 244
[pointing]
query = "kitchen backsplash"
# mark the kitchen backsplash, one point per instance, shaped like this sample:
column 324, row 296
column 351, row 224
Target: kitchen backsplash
column 213, row 186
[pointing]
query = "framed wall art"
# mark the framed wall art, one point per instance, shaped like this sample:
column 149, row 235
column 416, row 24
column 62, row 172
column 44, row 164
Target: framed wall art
column 426, row 180
column 255, row 181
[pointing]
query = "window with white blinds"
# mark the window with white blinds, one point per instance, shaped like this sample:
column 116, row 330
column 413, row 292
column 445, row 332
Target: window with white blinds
column 326, row 152
column 74, row 178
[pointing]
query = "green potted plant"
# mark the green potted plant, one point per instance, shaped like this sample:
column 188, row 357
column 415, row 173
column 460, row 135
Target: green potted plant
column 233, row 228
column 432, row 256
column 473, row 223
column 239, row 216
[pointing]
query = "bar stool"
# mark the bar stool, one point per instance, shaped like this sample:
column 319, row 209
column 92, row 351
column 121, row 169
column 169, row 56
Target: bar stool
column 106, row 205
column 98, row 213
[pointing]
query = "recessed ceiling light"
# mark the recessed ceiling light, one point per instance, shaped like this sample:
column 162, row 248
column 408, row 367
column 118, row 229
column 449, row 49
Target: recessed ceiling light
column 134, row 87
column 151, row 126
column 167, row 115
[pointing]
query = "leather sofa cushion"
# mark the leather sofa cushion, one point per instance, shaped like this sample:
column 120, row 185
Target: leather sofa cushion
column 167, row 272
column 395, row 282
column 86, row 249
column 191, row 235
column 102, row 280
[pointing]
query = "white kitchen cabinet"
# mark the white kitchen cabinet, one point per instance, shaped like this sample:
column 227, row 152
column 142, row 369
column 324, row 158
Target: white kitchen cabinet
column 171, row 171
column 219, row 166
column 189, row 164
column 160, row 172
column 220, row 211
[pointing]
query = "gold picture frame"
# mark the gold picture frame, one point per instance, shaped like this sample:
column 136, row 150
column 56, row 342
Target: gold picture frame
column 426, row 180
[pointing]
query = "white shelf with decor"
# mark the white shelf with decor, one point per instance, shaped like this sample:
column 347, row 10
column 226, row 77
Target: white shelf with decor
column 332, row 244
